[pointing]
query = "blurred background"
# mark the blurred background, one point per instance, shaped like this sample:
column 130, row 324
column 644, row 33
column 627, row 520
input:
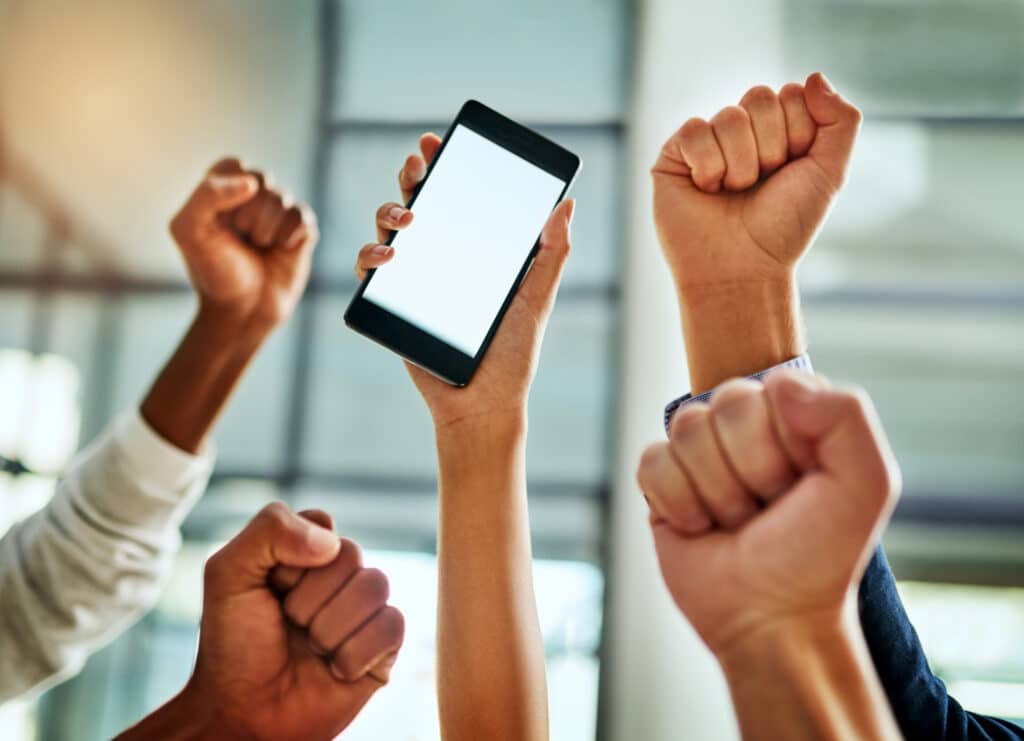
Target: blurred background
column 110, row 111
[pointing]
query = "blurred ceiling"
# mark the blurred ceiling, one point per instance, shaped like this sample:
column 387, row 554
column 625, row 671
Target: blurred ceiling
column 118, row 107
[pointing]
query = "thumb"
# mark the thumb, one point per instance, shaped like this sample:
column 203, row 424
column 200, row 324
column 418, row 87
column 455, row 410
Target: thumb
column 273, row 537
column 218, row 193
column 844, row 431
column 284, row 578
column 541, row 284
column 838, row 123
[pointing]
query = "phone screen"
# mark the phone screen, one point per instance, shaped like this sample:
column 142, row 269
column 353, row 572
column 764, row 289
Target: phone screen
column 476, row 218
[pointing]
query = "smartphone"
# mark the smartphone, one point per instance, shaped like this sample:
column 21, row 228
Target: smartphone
column 479, row 213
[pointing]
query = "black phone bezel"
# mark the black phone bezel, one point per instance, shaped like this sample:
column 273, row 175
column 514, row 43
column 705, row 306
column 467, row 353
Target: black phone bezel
column 412, row 343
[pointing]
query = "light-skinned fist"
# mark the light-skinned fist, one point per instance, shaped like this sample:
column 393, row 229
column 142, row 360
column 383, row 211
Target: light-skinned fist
column 766, row 503
column 247, row 245
column 738, row 198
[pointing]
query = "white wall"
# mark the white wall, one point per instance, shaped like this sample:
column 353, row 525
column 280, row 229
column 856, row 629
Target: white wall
column 692, row 58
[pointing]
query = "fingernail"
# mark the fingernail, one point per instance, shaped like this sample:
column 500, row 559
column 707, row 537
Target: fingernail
column 383, row 250
column 396, row 214
column 382, row 671
column 828, row 84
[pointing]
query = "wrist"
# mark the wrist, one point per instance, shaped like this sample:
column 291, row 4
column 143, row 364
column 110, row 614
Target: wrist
column 737, row 328
column 781, row 641
column 481, row 445
column 232, row 329
column 185, row 717
column 485, row 431
column 811, row 675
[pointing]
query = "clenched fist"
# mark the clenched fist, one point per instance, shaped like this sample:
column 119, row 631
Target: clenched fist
column 248, row 246
column 737, row 201
column 297, row 667
column 766, row 504
column 740, row 197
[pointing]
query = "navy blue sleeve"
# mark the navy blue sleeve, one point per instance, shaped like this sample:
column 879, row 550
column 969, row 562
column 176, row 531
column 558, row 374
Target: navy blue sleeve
column 920, row 702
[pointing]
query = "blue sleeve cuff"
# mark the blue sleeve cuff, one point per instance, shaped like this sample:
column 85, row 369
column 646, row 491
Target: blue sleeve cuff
column 801, row 362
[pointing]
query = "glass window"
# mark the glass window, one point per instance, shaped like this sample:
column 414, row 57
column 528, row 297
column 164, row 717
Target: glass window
column 914, row 57
column 438, row 58
column 928, row 207
column 972, row 638
column 946, row 383
column 364, row 174
column 16, row 310
column 365, row 416
column 252, row 431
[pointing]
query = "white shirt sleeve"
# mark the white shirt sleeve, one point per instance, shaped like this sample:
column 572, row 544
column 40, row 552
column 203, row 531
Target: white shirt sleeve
column 90, row 563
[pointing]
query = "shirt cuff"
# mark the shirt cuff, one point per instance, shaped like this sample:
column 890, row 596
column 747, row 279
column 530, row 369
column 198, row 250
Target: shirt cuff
column 153, row 461
column 801, row 362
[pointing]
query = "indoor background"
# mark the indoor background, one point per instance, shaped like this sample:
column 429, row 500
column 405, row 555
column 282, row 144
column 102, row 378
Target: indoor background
column 110, row 112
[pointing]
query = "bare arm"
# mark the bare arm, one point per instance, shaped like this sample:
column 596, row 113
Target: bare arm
column 738, row 200
column 248, row 252
column 811, row 679
column 491, row 680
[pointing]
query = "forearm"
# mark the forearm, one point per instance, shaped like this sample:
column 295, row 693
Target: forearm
column 187, row 397
column 491, row 677
column 184, row 717
column 739, row 328
column 811, row 679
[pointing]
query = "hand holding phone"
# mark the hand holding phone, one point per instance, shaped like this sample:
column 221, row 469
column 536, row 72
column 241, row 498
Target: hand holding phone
column 488, row 190
column 503, row 379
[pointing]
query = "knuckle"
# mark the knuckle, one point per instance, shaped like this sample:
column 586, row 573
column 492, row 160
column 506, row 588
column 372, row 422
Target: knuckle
column 758, row 96
column 275, row 515
column 735, row 394
column 693, row 129
column 226, row 163
column 392, row 626
column 351, row 553
column 273, row 197
column 649, row 462
column 374, row 585
column 855, row 403
column 688, row 422
column 213, row 569
column 791, row 91
column 731, row 116
column 178, row 226
column 854, row 114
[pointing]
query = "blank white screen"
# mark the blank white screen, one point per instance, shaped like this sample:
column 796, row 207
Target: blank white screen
column 475, row 221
